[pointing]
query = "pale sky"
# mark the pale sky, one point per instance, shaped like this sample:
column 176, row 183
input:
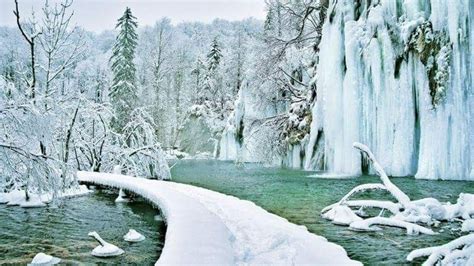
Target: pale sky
column 98, row 15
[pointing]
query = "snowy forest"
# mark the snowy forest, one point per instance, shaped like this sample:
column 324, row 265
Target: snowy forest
column 373, row 96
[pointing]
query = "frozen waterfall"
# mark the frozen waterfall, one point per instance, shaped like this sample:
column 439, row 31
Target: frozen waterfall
column 397, row 76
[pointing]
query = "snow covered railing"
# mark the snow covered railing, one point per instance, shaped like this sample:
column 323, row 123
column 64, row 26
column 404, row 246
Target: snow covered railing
column 207, row 227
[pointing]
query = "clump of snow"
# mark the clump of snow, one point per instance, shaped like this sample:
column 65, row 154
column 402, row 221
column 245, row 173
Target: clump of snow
column 213, row 228
column 121, row 197
column 133, row 236
column 44, row 259
column 341, row 215
column 465, row 204
column 14, row 197
column 468, row 226
column 104, row 249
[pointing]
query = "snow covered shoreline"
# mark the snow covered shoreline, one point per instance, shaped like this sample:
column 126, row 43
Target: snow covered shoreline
column 206, row 227
column 18, row 197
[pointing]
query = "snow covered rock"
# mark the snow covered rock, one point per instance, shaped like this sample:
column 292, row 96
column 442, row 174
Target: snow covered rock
column 104, row 249
column 468, row 226
column 15, row 197
column 341, row 215
column 44, row 259
column 466, row 205
column 133, row 236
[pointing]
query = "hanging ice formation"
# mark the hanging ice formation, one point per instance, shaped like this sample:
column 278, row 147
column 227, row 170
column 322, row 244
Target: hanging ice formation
column 398, row 76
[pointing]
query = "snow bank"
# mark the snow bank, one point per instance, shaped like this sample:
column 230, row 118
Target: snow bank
column 18, row 197
column 206, row 227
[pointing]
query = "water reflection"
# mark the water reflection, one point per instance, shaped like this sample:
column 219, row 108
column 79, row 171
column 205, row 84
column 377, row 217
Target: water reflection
column 62, row 230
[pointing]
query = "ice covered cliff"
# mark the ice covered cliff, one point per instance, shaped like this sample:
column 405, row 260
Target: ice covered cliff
column 396, row 75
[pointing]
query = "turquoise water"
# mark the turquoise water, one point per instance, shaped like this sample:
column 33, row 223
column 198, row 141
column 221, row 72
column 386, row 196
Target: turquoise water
column 299, row 198
column 62, row 230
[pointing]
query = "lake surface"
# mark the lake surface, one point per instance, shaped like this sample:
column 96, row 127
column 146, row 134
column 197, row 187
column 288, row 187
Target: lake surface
column 294, row 195
column 61, row 230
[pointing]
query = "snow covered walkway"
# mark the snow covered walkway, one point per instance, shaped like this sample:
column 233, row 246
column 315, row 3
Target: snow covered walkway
column 207, row 227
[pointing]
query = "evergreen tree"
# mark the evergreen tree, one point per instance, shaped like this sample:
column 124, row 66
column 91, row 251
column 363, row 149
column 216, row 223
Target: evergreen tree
column 213, row 86
column 214, row 56
column 123, row 92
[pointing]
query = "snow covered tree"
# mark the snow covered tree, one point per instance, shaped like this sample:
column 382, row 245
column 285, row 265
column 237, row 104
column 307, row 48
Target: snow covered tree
column 213, row 83
column 214, row 56
column 124, row 89
column 30, row 32
column 198, row 72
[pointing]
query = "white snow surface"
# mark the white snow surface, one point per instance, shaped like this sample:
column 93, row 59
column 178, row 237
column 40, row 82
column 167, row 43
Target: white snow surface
column 468, row 226
column 207, row 227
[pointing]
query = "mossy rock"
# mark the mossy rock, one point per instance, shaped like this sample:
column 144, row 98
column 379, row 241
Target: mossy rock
column 434, row 50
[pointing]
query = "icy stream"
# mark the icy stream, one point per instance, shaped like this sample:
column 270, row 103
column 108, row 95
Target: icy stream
column 61, row 231
column 294, row 195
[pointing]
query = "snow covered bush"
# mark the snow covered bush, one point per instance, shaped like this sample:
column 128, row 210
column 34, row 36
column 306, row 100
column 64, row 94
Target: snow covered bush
column 140, row 153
